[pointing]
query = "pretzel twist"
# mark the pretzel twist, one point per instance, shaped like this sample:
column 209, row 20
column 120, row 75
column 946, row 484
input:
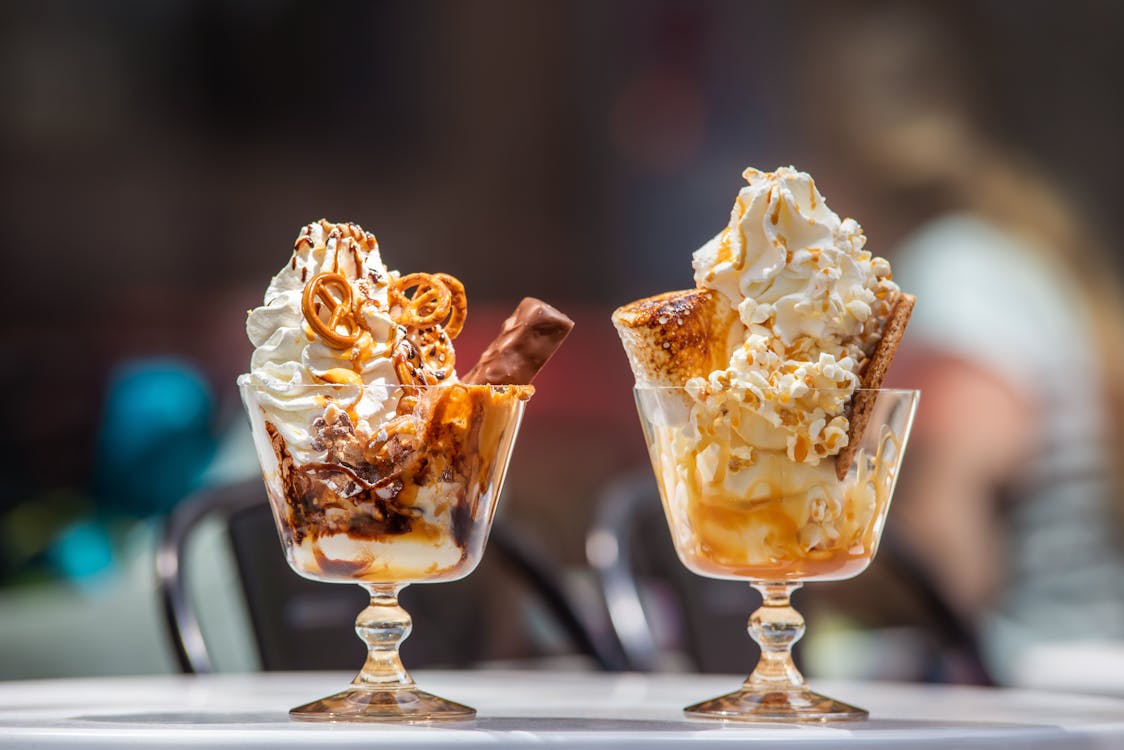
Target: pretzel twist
column 459, row 304
column 437, row 300
column 411, row 373
column 339, row 308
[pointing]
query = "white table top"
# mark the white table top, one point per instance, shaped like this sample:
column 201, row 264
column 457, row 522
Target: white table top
column 524, row 708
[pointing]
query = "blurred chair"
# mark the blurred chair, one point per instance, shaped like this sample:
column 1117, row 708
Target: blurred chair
column 302, row 624
column 657, row 608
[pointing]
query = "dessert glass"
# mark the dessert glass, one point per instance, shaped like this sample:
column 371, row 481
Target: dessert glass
column 753, row 514
column 413, row 503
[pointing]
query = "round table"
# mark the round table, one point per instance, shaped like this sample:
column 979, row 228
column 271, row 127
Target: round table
column 525, row 708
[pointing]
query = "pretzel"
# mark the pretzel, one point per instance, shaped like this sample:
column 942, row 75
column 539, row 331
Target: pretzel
column 340, row 312
column 437, row 300
column 459, row 312
column 429, row 305
column 409, row 367
column 435, row 351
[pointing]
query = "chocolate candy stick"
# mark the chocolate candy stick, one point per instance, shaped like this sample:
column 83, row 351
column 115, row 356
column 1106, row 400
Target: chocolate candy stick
column 527, row 340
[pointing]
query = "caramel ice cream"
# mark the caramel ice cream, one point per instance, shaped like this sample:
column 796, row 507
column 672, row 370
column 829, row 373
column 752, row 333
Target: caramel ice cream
column 755, row 388
column 381, row 464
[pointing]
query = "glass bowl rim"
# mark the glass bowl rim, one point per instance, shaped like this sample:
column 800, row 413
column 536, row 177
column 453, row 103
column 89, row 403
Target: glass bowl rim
column 248, row 380
column 773, row 389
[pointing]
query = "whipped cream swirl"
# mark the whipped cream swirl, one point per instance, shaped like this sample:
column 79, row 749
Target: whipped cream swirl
column 811, row 301
column 289, row 356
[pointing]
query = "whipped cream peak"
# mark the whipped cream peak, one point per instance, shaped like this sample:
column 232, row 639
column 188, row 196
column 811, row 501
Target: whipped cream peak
column 287, row 351
column 288, row 354
column 810, row 300
column 323, row 246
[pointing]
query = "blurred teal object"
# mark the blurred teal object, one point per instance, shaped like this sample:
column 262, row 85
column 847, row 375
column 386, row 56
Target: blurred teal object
column 82, row 550
column 155, row 439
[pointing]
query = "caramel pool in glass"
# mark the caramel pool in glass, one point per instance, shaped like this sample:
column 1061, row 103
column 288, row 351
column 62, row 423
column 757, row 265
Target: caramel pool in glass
column 737, row 510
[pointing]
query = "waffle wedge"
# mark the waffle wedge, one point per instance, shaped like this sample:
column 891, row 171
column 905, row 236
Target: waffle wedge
column 862, row 403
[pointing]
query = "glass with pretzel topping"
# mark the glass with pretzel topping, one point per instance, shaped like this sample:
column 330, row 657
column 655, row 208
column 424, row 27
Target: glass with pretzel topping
column 382, row 467
column 412, row 502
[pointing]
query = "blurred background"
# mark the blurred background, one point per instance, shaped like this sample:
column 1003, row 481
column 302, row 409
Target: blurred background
column 160, row 158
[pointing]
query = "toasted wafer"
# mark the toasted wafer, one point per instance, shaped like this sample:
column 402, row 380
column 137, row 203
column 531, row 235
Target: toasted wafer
column 673, row 337
column 875, row 373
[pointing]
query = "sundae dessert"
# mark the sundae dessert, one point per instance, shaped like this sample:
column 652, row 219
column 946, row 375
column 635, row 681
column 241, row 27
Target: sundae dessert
column 757, row 385
column 381, row 463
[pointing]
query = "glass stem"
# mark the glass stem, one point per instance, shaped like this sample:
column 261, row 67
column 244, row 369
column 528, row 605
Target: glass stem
column 776, row 626
column 383, row 625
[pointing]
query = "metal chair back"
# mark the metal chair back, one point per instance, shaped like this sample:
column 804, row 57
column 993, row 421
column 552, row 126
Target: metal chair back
column 303, row 624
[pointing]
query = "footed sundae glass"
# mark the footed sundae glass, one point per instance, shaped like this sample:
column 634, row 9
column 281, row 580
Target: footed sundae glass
column 383, row 486
column 740, row 507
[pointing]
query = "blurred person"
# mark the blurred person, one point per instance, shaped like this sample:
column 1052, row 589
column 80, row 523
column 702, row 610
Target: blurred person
column 1010, row 498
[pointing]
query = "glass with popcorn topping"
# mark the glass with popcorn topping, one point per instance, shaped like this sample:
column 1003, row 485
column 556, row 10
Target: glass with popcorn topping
column 775, row 447
column 746, row 501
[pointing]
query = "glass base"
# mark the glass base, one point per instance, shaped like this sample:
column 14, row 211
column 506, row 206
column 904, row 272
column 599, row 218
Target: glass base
column 796, row 704
column 366, row 704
